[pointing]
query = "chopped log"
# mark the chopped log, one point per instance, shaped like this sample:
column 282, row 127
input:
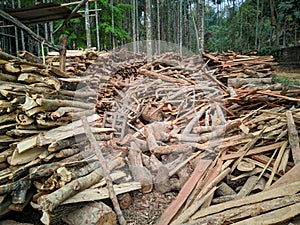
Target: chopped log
column 239, row 82
column 138, row 171
column 92, row 213
column 95, row 194
column 51, row 201
column 23, row 54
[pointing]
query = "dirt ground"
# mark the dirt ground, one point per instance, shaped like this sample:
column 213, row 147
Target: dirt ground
column 147, row 208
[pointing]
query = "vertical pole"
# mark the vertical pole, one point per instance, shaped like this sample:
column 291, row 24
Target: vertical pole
column 87, row 26
column 16, row 32
column 158, row 27
column 148, row 30
column 22, row 33
column 112, row 23
column 180, row 27
column 63, row 52
column 97, row 25
column 133, row 25
column 137, row 25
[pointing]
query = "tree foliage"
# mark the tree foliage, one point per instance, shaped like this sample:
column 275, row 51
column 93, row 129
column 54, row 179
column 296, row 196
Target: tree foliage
column 239, row 25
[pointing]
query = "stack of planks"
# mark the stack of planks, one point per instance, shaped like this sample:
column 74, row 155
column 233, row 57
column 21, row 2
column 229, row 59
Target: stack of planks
column 242, row 70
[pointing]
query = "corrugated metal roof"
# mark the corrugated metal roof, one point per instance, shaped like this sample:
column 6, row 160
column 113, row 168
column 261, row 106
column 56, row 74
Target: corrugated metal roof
column 41, row 13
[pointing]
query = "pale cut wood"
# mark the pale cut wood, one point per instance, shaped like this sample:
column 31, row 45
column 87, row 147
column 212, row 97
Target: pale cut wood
column 92, row 214
column 284, row 162
column 293, row 137
column 274, row 217
column 27, row 156
column 239, row 82
column 254, row 151
column 51, row 201
column 67, row 131
column 29, row 56
column 276, row 164
column 276, row 192
column 293, row 175
column 95, row 194
column 255, row 210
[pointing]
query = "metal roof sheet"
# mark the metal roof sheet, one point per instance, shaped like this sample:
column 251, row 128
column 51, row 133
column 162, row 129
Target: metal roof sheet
column 41, row 13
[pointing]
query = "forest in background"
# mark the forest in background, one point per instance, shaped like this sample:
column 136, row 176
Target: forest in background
column 240, row 25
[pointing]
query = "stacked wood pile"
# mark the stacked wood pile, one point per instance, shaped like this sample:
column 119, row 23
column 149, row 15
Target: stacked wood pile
column 44, row 156
column 242, row 70
column 231, row 153
column 77, row 61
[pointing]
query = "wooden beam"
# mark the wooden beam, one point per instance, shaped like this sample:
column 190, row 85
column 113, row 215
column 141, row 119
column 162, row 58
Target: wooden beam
column 26, row 29
column 81, row 3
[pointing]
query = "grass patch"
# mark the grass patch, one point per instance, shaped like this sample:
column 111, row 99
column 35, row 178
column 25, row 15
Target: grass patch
column 286, row 79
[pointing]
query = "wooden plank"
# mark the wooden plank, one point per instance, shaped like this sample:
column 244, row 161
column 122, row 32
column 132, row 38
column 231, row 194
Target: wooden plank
column 185, row 191
column 293, row 137
column 284, row 190
column 254, row 151
column 95, row 194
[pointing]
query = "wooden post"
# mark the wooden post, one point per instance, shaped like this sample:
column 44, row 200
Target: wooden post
column 63, row 52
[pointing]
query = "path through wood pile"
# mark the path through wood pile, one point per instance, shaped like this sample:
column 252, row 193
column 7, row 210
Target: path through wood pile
column 231, row 152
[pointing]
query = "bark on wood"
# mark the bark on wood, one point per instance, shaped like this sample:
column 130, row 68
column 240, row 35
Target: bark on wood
column 239, row 82
column 62, row 53
column 293, row 137
column 138, row 171
column 92, row 213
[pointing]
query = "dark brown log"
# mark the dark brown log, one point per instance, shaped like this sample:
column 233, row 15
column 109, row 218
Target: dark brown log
column 62, row 53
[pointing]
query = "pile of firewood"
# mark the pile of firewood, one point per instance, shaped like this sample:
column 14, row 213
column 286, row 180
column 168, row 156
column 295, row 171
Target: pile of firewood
column 43, row 142
column 164, row 125
column 77, row 61
column 242, row 70
column 172, row 113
